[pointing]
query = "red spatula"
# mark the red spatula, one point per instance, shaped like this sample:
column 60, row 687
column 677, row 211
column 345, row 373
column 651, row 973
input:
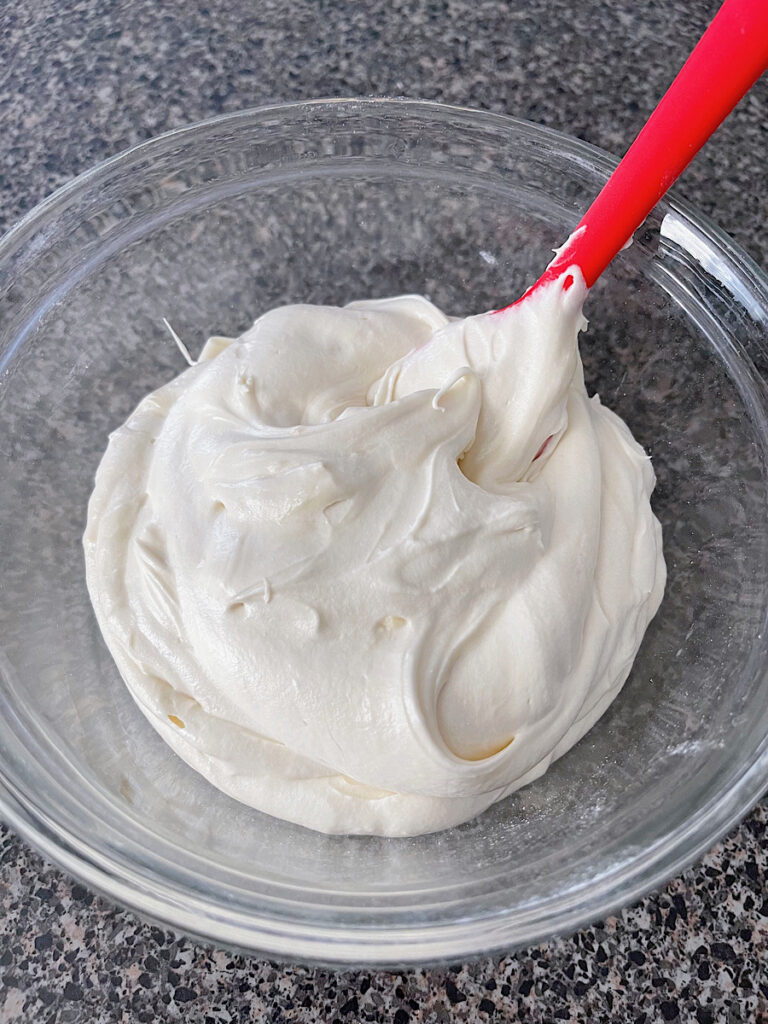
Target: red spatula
column 727, row 61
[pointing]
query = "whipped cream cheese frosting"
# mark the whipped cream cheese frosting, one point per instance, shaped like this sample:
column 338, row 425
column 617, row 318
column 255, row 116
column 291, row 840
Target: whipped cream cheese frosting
column 370, row 569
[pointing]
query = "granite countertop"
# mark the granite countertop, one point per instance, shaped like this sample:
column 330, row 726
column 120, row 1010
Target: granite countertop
column 82, row 80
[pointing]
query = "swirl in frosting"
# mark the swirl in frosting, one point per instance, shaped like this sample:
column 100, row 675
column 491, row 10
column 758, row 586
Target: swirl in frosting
column 369, row 569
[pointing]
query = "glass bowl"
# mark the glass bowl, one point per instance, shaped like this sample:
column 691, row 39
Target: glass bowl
column 328, row 202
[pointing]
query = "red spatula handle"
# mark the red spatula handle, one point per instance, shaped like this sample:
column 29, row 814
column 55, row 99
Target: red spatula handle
column 728, row 59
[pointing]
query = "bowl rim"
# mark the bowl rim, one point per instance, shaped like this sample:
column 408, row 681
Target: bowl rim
column 595, row 154
column 336, row 943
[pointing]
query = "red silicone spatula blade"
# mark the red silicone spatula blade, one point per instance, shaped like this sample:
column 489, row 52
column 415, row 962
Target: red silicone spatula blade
column 727, row 61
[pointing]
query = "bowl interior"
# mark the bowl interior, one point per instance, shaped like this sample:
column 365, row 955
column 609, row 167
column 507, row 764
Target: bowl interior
column 328, row 205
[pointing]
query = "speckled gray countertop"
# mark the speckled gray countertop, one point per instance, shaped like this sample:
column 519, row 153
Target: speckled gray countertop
column 81, row 80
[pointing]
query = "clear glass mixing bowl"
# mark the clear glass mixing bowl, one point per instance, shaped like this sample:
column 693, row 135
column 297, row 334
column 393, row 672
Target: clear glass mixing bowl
column 327, row 202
